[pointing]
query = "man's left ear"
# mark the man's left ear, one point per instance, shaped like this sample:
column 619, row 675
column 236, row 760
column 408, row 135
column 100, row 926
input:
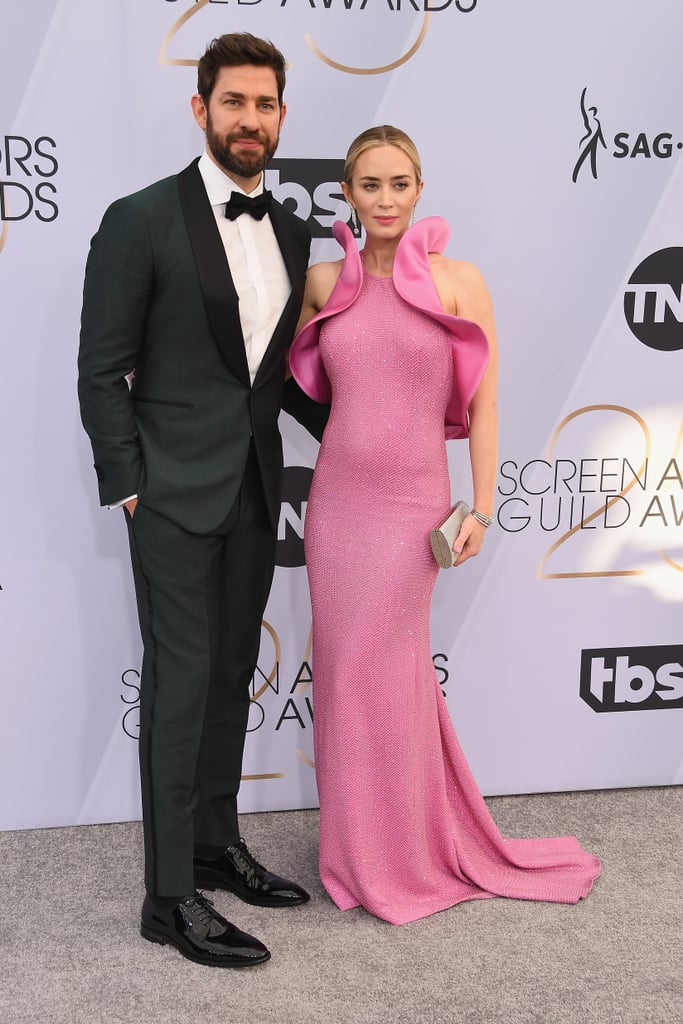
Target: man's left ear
column 283, row 113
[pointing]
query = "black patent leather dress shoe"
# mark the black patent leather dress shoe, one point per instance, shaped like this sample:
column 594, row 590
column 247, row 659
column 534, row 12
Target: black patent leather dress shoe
column 201, row 934
column 238, row 872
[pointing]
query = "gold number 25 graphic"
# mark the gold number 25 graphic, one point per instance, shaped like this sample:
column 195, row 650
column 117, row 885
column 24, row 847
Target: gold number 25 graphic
column 542, row 572
column 349, row 69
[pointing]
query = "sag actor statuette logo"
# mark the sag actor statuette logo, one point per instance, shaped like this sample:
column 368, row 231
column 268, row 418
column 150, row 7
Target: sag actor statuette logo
column 593, row 146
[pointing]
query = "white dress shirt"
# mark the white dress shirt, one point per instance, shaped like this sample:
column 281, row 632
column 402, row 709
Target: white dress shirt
column 256, row 264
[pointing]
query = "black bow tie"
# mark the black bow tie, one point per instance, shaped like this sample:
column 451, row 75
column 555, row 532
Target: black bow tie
column 239, row 203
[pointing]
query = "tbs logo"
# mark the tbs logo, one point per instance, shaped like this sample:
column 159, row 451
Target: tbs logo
column 632, row 678
column 311, row 190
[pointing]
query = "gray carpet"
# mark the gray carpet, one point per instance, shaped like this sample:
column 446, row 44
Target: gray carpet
column 71, row 951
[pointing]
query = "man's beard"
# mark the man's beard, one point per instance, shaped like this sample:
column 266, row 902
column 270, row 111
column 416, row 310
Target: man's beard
column 244, row 166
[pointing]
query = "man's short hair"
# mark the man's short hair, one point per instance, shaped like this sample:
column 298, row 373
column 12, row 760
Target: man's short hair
column 233, row 50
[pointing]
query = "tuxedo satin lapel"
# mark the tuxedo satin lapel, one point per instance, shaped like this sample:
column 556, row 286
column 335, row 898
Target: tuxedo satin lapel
column 294, row 256
column 296, row 263
column 215, row 280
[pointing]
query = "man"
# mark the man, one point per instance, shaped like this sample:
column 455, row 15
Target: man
column 196, row 283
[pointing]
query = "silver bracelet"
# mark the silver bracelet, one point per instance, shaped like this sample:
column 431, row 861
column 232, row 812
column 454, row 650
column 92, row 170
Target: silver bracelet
column 481, row 518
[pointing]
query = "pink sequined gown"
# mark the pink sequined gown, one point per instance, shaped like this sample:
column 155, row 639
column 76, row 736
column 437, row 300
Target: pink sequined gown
column 404, row 830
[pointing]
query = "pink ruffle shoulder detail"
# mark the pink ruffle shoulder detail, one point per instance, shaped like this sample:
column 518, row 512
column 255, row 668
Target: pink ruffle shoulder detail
column 413, row 282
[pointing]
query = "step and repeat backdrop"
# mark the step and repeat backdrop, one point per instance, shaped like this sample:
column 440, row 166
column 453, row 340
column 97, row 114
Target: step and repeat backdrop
column 551, row 137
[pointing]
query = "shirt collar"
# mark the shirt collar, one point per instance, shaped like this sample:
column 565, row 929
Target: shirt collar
column 219, row 186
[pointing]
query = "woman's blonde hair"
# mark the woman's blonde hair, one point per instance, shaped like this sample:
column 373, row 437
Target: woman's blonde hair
column 383, row 135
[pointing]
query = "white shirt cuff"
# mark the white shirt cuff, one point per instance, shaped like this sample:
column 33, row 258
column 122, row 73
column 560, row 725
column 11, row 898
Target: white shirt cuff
column 120, row 504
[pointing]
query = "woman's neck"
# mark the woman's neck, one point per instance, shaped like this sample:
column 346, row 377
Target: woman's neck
column 378, row 256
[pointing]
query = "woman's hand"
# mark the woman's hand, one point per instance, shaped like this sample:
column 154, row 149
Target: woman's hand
column 469, row 541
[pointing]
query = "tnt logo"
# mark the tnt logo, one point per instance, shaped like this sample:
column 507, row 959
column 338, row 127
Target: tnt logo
column 632, row 678
column 653, row 301
column 296, row 483
column 311, row 190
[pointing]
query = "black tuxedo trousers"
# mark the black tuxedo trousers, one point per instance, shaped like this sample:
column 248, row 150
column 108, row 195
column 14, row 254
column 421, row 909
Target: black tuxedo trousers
column 200, row 601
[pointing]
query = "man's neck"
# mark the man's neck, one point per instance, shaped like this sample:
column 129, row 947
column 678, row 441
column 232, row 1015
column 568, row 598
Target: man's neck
column 246, row 184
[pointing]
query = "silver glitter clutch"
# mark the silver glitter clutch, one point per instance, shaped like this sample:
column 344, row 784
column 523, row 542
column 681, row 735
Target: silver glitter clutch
column 442, row 537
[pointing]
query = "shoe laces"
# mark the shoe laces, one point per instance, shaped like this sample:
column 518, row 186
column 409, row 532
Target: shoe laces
column 201, row 908
column 245, row 860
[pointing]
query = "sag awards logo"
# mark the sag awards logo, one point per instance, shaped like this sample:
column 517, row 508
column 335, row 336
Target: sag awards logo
column 593, row 145
column 285, row 702
column 348, row 8
column 27, row 180
column 280, row 700
column 653, row 300
column 130, row 721
column 276, row 700
column 632, row 678
column 631, row 500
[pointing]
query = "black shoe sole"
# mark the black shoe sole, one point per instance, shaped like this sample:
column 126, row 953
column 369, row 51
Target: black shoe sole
column 164, row 940
column 211, row 884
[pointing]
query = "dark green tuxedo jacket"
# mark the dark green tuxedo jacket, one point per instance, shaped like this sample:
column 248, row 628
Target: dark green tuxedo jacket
column 159, row 297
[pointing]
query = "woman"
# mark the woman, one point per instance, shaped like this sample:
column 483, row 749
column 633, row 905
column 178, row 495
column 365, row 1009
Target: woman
column 402, row 342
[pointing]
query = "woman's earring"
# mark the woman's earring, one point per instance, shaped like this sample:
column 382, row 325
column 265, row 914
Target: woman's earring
column 354, row 222
column 412, row 216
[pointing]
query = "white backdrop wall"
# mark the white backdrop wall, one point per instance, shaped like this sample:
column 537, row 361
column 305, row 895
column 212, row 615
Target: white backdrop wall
column 537, row 642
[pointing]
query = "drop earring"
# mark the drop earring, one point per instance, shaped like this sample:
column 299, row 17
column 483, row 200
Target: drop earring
column 354, row 222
